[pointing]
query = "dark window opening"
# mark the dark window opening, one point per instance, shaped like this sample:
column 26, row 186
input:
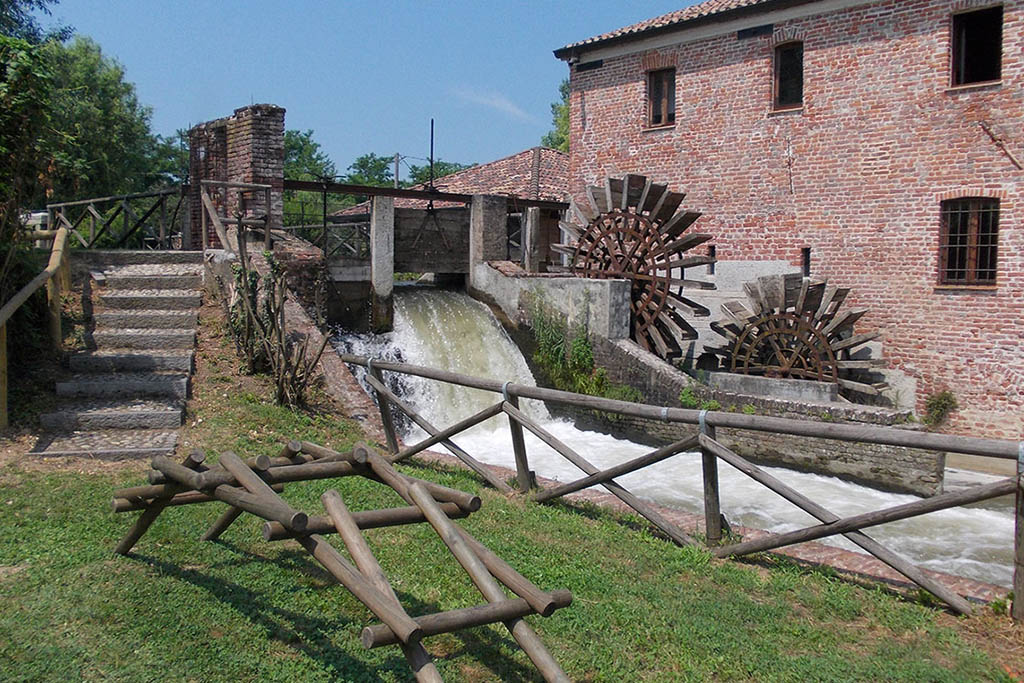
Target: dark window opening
column 805, row 261
column 967, row 248
column 977, row 46
column 711, row 254
column 661, row 94
column 789, row 75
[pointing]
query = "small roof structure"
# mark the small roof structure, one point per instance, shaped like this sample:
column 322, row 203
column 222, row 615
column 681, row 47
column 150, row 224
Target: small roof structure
column 704, row 12
column 535, row 173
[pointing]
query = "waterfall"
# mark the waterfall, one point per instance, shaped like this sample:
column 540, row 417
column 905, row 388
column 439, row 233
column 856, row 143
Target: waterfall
column 451, row 331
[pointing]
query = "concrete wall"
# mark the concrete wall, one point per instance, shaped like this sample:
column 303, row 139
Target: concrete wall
column 857, row 175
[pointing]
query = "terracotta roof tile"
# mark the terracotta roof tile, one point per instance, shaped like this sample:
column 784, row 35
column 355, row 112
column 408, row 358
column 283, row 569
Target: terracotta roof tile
column 698, row 11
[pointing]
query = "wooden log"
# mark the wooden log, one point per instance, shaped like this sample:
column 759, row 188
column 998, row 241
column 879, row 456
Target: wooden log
column 324, row 454
column 647, row 511
column 712, row 503
column 516, row 582
column 221, row 524
column 523, row 478
column 434, row 439
column 462, row 455
column 360, row 552
column 942, row 501
column 291, row 449
column 365, row 519
column 149, row 515
column 275, row 475
column 890, row 558
column 4, row 420
column 460, row 619
column 633, row 465
column 256, row 486
column 996, row 448
column 486, row 584
column 407, row 630
column 130, row 503
column 386, row 419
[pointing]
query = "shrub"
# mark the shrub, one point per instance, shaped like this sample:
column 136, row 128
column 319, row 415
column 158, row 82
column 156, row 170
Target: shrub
column 938, row 406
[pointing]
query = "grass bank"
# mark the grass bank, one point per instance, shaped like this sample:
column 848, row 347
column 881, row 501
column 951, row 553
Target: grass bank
column 244, row 609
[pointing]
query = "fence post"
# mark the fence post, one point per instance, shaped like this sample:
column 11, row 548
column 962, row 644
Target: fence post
column 203, row 219
column 53, row 301
column 1018, row 540
column 3, row 376
column 385, row 409
column 524, row 477
column 712, row 505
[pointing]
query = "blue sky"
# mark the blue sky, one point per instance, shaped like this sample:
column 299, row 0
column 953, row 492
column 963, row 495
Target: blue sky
column 365, row 76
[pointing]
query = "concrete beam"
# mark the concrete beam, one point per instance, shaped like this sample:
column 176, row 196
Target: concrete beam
column 382, row 264
column 488, row 230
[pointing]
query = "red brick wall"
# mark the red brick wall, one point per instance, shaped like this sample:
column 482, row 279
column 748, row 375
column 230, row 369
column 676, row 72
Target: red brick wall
column 857, row 175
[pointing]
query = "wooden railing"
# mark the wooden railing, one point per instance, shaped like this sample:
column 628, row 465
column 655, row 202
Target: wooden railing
column 144, row 220
column 57, row 278
column 712, row 451
column 247, row 198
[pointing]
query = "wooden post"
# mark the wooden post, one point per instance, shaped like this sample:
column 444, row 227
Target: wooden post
column 1018, row 542
column 163, row 221
column 3, row 376
column 53, row 304
column 712, row 504
column 385, row 411
column 523, row 474
column 186, row 223
column 149, row 515
column 203, row 219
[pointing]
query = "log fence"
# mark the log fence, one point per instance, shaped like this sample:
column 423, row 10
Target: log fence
column 243, row 201
column 56, row 277
column 147, row 220
column 712, row 451
column 254, row 486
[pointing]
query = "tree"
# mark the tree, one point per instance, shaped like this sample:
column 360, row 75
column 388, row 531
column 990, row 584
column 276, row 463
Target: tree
column 420, row 175
column 371, row 169
column 16, row 21
column 304, row 159
column 558, row 136
column 106, row 147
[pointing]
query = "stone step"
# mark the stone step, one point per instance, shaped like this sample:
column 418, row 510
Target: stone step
column 115, row 414
column 132, row 360
column 128, row 384
column 110, row 444
column 170, row 319
column 146, row 338
column 153, row 281
column 146, row 299
column 113, row 257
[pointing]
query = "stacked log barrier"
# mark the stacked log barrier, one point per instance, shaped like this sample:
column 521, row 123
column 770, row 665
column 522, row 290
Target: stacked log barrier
column 254, row 486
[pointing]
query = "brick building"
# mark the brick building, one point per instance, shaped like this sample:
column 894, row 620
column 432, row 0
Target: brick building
column 877, row 143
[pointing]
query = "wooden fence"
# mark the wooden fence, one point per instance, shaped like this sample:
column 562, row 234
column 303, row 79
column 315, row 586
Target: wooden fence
column 144, row 220
column 254, row 486
column 57, row 278
column 711, row 452
column 238, row 204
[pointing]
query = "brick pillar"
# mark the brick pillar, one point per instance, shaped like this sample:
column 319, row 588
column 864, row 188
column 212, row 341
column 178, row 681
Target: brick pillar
column 382, row 264
column 488, row 231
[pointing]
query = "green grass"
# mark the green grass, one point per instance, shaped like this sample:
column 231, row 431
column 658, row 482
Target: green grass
column 243, row 609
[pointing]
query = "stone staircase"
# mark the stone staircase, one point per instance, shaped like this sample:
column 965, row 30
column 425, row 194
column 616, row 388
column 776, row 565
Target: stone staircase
column 126, row 397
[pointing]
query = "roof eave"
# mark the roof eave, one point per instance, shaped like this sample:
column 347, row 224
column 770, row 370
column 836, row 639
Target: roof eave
column 569, row 51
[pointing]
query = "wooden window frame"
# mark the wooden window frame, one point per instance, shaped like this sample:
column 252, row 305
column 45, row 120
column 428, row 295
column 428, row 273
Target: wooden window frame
column 969, row 242
column 958, row 53
column 777, row 73
column 663, row 107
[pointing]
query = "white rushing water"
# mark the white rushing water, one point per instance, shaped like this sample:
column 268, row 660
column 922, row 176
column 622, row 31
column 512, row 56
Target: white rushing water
column 450, row 331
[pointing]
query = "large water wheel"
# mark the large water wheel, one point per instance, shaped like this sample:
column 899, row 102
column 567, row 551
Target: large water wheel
column 795, row 327
column 633, row 229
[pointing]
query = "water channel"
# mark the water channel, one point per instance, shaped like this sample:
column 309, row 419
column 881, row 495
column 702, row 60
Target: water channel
column 451, row 331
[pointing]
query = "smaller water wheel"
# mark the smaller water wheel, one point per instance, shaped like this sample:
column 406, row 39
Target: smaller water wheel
column 794, row 328
column 632, row 229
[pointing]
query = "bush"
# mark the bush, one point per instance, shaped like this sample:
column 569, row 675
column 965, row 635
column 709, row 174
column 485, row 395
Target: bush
column 938, row 406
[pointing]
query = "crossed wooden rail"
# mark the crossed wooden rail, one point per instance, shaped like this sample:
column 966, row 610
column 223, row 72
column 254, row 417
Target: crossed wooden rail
column 254, row 486
column 711, row 452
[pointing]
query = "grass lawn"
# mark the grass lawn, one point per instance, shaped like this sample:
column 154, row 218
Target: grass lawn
column 245, row 609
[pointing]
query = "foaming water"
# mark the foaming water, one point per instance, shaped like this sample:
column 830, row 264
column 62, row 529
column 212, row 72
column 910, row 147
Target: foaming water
column 451, row 331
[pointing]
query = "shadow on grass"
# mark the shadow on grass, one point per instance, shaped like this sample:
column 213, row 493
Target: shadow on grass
column 311, row 636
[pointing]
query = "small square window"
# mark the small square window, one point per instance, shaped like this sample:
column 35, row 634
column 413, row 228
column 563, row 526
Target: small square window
column 789, row 76
column 967, row 246
column 661, row 97
column 977, row 46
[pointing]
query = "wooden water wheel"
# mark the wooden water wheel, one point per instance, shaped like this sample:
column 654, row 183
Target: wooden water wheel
column 631, row 228
column 794, row 327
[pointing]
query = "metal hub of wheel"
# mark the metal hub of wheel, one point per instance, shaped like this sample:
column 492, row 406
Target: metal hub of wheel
column 631, row 229
column 795, row 327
